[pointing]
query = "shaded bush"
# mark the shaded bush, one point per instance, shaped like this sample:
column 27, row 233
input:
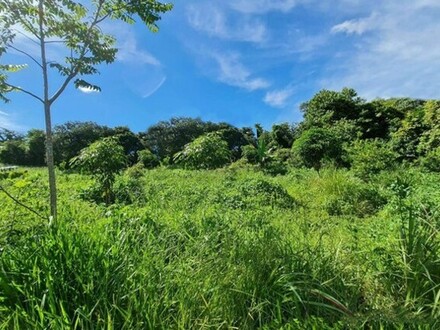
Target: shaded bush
column 148, row 159
column 129, row 188
column 355, row 199
column 316, row 146
column 431, row 161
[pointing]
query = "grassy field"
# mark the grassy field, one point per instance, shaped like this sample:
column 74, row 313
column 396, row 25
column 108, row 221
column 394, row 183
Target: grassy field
column 224, row 249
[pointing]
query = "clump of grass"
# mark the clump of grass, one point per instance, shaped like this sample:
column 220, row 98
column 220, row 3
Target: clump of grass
column 418, row 274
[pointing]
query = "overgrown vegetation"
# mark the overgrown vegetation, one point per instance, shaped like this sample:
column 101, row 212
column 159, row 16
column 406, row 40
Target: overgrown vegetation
column 329, row 224
column 225, row 248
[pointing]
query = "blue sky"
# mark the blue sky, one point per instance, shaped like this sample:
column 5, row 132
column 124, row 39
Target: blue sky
column 246, row 62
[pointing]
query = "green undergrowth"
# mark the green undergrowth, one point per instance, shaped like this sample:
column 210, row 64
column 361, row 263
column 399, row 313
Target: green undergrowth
column 224, row 249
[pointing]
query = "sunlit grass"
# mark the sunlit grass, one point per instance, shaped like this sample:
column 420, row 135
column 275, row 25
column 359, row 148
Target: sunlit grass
column 223, row 249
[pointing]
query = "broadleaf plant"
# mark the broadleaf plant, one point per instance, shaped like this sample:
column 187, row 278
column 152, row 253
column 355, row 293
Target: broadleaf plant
column 76, row 26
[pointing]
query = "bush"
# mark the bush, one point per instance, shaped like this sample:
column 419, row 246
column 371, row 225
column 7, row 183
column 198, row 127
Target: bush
column 103, row 160
column 148, row 159
column 129, row 189
column 343, row 194
column 316, row 146
column 209, row 151
column 275, row 167
column 359, row 200
column 13, row 153
column 250, row 154
column 431, row 161
column 253, row 193
column 369, row 157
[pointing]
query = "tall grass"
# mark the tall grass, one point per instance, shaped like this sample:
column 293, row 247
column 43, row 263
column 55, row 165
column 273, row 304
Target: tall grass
column 137, row 274
column 419, row 251
column 225, row 250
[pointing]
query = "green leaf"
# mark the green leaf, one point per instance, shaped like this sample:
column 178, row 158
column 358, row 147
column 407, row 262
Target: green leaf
column 13, row 67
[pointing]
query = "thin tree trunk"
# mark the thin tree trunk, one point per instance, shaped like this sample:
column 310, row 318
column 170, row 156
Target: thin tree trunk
column 50, row 162
column 47, row 116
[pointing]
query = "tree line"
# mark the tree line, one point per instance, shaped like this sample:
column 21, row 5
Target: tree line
column 339, row 128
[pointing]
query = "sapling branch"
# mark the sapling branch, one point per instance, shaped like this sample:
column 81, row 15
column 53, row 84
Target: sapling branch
column 26, row 36
column 24, row 91
column 75, row 70
column 21, row 203
column 27, row 54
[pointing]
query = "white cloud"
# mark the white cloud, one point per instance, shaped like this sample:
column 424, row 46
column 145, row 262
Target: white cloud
column 142, row 73
column 215, row 22
column 129, row 52
column 128, row 48
column 143, row 80
column 278, row 98
column 232, row 72
column 399, row 56
column 7, row 121
column 356, row 26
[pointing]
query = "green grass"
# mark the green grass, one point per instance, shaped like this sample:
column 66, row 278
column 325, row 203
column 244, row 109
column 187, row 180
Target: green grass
column 224, row 249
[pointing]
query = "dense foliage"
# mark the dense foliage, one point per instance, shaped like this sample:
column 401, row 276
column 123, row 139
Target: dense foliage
column 337, row 126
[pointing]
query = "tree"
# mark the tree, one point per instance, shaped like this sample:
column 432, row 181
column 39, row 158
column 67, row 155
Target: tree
column 166, row 138
column 129, row 141
column 236, row 138
column 315, row 146
column 369, row 157
column 260, row 150
column 103, row 159
column 430, row 139
column 377, row 119
column 13, row 152
column 148, row 159
column 75, row 26
column 206, row 152
column 283, row 135
column 36, row 140
column 326, row 107
column 71, row 137
column 8, row 135
column 406, row 139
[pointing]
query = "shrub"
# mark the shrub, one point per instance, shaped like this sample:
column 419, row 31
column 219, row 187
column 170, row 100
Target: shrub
column 265, row 193
column 250, row 154
column 103, row 160
column 369, row 157
column 359, row 200
column 129, row 189
column 418, row 276
column 209, row 151
column 148, row 159
column 13, row 153
column 315, row 146
column 275, row 167
column 343, row 194
column 431, row 161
